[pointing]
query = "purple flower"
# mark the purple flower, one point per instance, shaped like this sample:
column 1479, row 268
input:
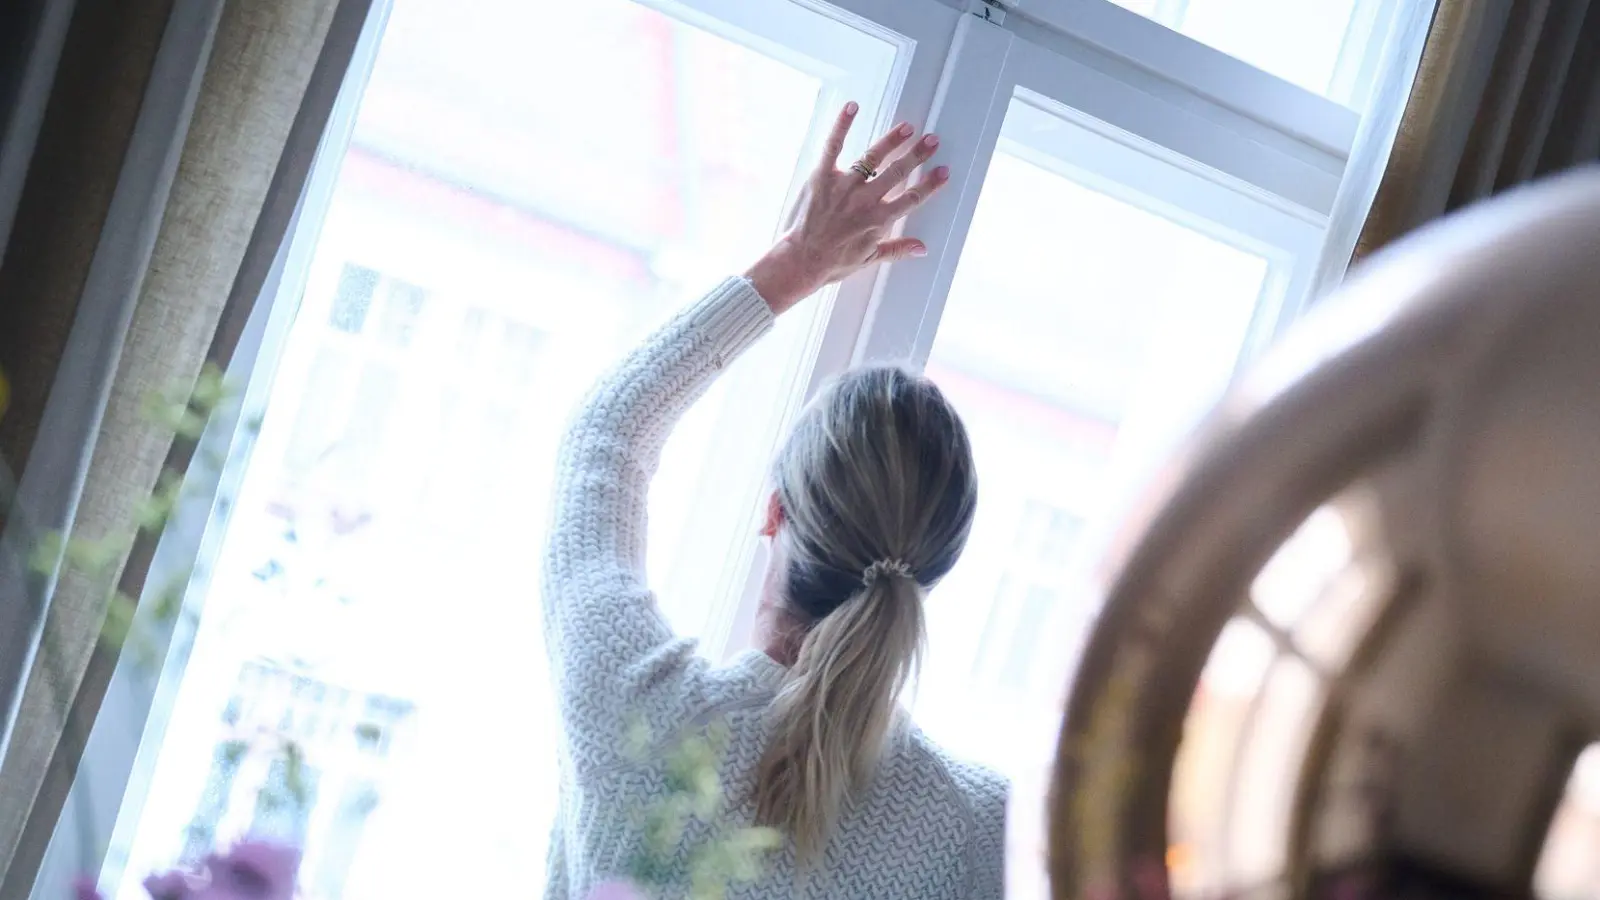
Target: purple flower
column 252, row 870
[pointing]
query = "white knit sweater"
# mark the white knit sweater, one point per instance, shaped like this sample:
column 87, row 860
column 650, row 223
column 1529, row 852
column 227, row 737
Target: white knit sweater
column 929, row 827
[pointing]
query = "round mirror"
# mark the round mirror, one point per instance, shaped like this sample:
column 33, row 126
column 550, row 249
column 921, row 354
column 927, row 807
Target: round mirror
column 1353, row 639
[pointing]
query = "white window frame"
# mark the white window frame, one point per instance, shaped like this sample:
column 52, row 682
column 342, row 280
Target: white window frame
column 1161, row 111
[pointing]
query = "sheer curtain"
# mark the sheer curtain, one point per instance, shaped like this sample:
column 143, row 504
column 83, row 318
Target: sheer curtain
column 176, row 142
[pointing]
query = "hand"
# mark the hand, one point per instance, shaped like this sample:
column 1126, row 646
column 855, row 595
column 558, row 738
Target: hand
column 843, row 220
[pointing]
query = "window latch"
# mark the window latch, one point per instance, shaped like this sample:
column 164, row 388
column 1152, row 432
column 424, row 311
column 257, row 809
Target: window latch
column 988, row 10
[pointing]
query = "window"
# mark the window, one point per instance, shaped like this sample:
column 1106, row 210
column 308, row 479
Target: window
column 505, row 203
column 1102, row 300
column 1260, row 695
column 1568, row 868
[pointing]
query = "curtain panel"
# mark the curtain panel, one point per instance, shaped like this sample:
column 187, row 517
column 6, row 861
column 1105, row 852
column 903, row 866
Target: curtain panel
column 135, row 259
column 1506, row 91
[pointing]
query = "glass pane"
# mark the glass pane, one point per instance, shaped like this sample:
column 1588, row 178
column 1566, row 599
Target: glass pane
column 1330, row 580
column 1300, row 572
column 1082, row 332
column 1269, row 763
column 1202, row 779
column 1321, row 45
column 1569, row 868
column 1234, row 781
column 519, row 204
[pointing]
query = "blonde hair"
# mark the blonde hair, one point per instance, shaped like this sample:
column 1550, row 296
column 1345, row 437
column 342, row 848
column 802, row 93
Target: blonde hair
column 877, row 491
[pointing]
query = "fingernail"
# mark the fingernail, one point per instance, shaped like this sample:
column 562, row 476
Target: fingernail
column 851, row 108
column 919, row 251
column 904, row 130
column 931, row 141
column 941, row 173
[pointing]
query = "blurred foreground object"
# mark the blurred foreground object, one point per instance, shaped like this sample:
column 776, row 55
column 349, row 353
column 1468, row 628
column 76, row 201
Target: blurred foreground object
column 1352, row 633
column 252, row 870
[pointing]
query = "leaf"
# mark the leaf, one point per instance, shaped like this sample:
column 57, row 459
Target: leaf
column 637, row 739
column 146, row 655
column 47, row 553
column 294, row 773
column 212, row 459
column 118, row 621
column 157, row 508
column 93, row 557
column 695, row 793
column 760, row 840
column 175, row 416
column 168, row 601
column 664, row 825
column 190, row 424
column 210, row 388
column 736, row 856
column 160, row 409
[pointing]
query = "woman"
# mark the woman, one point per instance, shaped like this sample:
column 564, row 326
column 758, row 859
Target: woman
column 874, row 496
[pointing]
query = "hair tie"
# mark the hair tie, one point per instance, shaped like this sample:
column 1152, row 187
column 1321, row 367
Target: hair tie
column 885, row 567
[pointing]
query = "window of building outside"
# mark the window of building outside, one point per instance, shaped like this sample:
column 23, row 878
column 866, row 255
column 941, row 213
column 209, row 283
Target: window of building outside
column 516, row 205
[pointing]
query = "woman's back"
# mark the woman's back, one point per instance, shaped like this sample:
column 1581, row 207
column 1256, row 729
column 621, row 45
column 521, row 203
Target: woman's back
column 928, row 827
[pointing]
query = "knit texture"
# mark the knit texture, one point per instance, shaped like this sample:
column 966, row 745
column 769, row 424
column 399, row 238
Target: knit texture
column 928, row 827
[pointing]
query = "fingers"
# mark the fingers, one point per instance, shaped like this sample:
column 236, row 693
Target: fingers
column 886, row 145
column 918, row 194
column 897, row 173
column 835, row 143
column 899, row 248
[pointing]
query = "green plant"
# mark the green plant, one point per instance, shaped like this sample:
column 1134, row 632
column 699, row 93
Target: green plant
column 695, row 794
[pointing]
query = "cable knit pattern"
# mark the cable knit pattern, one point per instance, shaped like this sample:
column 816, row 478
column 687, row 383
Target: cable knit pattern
column 929, row 827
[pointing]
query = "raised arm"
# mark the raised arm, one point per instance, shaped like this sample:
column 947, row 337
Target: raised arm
column 612, row 655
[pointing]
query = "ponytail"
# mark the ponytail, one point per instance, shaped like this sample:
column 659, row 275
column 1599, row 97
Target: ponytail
column 877, row 493
column 836, row 708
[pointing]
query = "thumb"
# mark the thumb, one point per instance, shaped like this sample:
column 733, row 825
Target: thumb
column 899, row 248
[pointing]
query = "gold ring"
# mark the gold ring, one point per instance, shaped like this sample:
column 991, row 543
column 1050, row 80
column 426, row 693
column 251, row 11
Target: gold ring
column 861, row 168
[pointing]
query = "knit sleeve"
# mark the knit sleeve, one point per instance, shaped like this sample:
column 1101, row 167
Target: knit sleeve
column 612, row 654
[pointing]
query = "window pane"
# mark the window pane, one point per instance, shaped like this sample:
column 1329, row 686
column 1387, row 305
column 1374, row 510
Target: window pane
column 520, row 203
column 1274, row 746
column 1203, row 774
column 1082, row 332
column 1300, row 572
column 1235, row 777
column 1569, row 868
column 1321, row 45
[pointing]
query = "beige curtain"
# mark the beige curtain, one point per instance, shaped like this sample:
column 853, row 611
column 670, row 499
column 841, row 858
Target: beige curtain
column 1507, row 91
column 263, row 99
